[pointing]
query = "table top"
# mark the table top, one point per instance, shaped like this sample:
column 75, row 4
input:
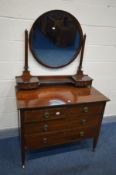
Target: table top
column 50, row 96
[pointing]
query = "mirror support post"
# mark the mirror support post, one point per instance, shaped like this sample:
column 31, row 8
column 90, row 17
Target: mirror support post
column 27, row 81
column 80, row 79
column 26, row 51
column 26, row 74
column 79, row 71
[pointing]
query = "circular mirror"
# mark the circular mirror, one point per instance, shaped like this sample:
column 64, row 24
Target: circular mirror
column 55, row 38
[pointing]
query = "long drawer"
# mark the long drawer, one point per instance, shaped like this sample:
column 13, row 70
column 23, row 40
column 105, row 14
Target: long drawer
column 69, row 112
column 35, row 141
column 57, row 125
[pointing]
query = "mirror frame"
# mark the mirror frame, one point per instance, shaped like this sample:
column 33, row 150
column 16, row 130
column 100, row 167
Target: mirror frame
column 77, row 51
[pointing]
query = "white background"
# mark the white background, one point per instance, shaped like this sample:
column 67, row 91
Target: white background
column 98, row 20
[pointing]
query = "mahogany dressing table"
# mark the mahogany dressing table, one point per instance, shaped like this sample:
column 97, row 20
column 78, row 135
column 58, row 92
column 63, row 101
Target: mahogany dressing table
column 57, row 110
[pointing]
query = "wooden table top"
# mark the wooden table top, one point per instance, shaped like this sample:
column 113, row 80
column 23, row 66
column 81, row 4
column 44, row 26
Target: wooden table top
column 49, row 96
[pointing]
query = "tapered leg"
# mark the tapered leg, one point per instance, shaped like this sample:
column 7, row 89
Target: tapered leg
column 23, row 151
column 95, row 139
column 23, row 157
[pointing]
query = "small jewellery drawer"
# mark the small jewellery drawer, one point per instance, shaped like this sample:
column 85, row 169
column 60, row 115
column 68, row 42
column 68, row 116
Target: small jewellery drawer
column 44, row 140
column 85, row 109
column 43, row 114
column 88, row 132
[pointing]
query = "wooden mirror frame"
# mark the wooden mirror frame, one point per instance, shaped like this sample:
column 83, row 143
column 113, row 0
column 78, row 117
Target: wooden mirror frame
column 77, row 26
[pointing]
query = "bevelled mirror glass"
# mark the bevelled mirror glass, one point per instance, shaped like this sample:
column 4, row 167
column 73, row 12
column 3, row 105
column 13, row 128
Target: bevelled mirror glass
column 55, row 38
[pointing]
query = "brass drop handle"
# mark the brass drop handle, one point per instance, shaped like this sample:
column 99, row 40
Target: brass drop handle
column 45, row 127
column 85, row 109
column 45, row 140
column 81, row 133
column 83, row 122
column 46, row 115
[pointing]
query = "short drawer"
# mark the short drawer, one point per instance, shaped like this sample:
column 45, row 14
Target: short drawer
column 85, row 110
column 44, row 114
column 44, row 140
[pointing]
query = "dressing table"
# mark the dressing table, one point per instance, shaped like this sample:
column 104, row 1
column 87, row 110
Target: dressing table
column 57, row 110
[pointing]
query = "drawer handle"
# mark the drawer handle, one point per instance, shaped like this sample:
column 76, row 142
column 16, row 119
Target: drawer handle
column 85, row 109
column 45, row 127
column 81, row 133
column 46, row 115
column 83, row 122
column 45, row 140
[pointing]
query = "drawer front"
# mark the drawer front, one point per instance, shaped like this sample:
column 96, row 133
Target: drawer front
column 44, row 140
column 44, row 114
column 85, row 110
column 53, row 126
